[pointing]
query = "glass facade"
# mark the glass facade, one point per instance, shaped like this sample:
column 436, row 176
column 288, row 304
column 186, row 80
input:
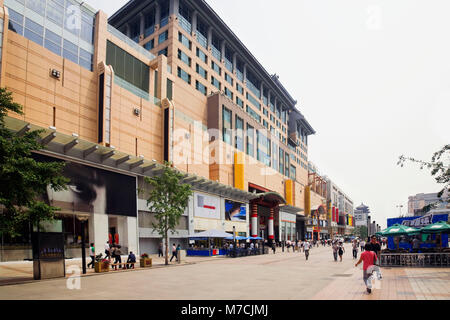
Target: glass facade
column 184, row 75
column 239, row 134
column 127, row 67
column 250, row 140
column 200, row 87
column 62, row 26
column 202, row 55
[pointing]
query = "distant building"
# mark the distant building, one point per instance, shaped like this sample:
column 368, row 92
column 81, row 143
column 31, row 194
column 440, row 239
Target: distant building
column 419, row 201
column 361, row 214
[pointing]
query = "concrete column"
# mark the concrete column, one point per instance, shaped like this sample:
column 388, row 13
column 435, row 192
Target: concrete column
column 254, row 220
column 127, row 30
column 98, row 231
column 245, row 72
column 174, row 7
column 194, row 21
column 210, row 36
column 157, row 14
column 262, row 90
column 162, row 77
column 222, row 49
column 271, row 229
column 234, row 61
column 131, row 234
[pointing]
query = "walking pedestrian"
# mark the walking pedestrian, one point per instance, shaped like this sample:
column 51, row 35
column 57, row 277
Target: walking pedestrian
column 274, row 248
column 375, row 247
column 174, row 252
column 362, row 244
column 335, row 251
column 341, row 250
column 118, row 255
column 92, row 255
column 306, row 248
column 369, row 259
column 355, row 250
column 160, row 250
column 107, row 250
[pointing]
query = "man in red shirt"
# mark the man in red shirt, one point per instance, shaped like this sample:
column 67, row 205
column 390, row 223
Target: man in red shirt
column 368, row 258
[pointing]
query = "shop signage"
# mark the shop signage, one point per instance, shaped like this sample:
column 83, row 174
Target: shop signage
column 419, row 222
column 309, row 229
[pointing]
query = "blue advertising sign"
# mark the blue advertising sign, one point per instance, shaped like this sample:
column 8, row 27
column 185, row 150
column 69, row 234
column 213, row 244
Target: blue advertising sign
column 235, row 211
column 419, row 222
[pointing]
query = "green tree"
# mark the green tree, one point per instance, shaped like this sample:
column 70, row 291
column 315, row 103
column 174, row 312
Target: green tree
column 22, row 179
column 168, row 199
column 362, row 232
column 440, row 170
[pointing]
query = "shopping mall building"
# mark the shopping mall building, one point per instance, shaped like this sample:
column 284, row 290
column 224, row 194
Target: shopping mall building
column 158, row 81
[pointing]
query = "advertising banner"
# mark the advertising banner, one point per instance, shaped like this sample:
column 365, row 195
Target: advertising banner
column 235, row 211
column 206, row 206
column 93, row 190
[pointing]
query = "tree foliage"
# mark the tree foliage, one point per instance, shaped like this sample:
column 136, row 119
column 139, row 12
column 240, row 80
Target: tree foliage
column 168, row 199
column 23, row 180
column 361, row 231
column 439, row 166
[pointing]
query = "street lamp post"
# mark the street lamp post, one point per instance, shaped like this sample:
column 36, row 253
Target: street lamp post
column 234, row 240
column 83, row 219
column 400, row 209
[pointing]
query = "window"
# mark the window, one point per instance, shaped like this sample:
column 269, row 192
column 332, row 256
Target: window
column 200, row 87
column 15, row 22
column 264, row 146
column 37, row 6
column 216, row 68
column 239, row 102
column 202, row 55
column 228, row 93
column 265, row 112
column 35, row 33
column 149, row 26
column 53, row 42
column 87, row 28
column 281, row 160
column 253, row 114
column 164, row 51
column 184, row 40
column 239, row 134
column 228, row 78
column 55, row 12
column 250, row 140
column 184, row 57
column 227, row 126
column 239, row 88
column 184, row 75
column 216, row 83
column 70, row 51
column 287, row 164
column 265, row 124
column 150, row 45
column 293, row 173
column 163, row 37
column 253, row 101
column 127, row 67
column 201, row 71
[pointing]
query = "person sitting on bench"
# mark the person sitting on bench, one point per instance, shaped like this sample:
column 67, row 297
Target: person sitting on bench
column 131, row 259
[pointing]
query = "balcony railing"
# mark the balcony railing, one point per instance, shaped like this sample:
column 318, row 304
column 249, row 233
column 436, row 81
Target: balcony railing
column 149, row 31
column 228, row 65
column 202, row 40
column 216, row 53
column 184, row 23
column 164, row 22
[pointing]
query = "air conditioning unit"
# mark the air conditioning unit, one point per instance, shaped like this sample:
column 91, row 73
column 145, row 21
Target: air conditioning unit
column 137, row 112
column 55, row 73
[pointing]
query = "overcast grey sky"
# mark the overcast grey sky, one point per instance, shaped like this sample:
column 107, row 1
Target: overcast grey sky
column 372, row 77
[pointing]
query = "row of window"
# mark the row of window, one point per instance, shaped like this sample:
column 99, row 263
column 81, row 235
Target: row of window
column 267, row 151
column 51, row 39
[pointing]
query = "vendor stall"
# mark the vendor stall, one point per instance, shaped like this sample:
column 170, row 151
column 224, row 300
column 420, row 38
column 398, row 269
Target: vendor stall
column 206, row 248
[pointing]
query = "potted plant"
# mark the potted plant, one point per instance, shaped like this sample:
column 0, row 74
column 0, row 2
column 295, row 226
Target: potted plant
column 146, row 261
column 101, row 265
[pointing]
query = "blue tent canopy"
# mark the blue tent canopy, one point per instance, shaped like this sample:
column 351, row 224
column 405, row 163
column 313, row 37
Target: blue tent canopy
column 237, row 238
column 254, row 238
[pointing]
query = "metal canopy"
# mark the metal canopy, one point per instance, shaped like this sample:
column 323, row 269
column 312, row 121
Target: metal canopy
column 291, row 209
column 70, row 147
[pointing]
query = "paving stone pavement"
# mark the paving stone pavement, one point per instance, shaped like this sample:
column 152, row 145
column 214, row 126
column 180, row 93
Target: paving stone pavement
column 281, row 276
